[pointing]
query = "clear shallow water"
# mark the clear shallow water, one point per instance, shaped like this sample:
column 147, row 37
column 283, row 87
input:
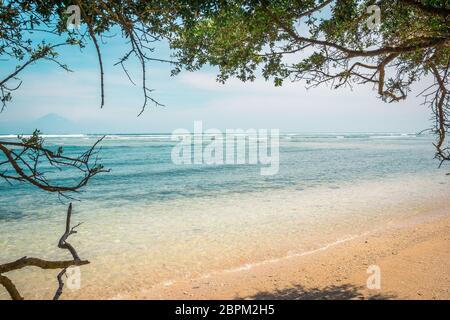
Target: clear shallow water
column 154, row 221
column 142, row 171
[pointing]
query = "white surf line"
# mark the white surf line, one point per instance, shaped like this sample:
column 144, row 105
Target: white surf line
column 248, row 266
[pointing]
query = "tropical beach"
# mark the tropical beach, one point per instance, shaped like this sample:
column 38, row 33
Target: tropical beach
column 414, row 259
column 224, row 150
column 376, row 205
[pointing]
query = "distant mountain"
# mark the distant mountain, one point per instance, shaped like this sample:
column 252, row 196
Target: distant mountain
column 51, row 123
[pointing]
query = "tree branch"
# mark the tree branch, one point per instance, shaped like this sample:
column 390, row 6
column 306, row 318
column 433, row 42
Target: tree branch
column 26, row 163
column 443, row 12
column 44, row 264
column 10, row 287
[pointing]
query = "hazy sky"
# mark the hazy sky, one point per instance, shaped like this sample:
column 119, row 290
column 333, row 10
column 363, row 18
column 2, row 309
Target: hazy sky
column 50, row 92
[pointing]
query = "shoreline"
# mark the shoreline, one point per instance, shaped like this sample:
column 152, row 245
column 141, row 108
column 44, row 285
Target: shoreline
column 291, row 244
column 414, row 260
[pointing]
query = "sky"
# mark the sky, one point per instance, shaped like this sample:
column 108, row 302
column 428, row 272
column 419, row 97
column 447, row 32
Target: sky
column 58, row 102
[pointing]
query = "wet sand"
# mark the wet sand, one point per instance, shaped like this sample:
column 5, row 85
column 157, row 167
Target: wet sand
column 414, row 260
column 310, row 244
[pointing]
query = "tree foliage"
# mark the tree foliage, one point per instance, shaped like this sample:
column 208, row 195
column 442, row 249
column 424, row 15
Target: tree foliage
column 315, row 41
column 35, row 31
column 328, row 42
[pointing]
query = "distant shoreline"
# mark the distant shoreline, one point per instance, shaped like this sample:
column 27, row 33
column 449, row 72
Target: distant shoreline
column 319, row 133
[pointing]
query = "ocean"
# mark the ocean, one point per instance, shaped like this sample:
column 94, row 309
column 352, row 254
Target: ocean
column 156, row 222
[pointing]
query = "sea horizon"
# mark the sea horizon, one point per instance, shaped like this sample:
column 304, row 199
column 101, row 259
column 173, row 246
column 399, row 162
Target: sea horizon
column 75, row 134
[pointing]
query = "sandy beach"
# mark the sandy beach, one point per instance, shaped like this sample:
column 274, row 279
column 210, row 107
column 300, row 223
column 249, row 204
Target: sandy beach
column 303, row 235
column 414, row 259
column 265, row 249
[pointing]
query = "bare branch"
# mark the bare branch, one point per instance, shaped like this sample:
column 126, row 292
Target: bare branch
column 10, row 287
column 44, row 264
column 25, row 164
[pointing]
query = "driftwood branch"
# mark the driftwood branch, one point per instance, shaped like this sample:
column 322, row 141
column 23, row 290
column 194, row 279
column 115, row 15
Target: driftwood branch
column 63, row 244
column 44, row 264
column 59, row 291
column 10, row 287
column 39, row 263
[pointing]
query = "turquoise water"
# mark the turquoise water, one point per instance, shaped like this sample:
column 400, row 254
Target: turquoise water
column 157, row 222
column 142, row 170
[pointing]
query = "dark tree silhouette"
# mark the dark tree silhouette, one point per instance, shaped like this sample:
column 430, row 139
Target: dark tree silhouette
column 333, row 292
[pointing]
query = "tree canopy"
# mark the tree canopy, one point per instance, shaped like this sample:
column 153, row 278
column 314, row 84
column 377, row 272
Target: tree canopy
column 318, row 42
column 35, row 31
column 328, row 42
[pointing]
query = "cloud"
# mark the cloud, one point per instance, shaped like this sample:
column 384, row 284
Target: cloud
column 294, row 108
column 197, row 96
